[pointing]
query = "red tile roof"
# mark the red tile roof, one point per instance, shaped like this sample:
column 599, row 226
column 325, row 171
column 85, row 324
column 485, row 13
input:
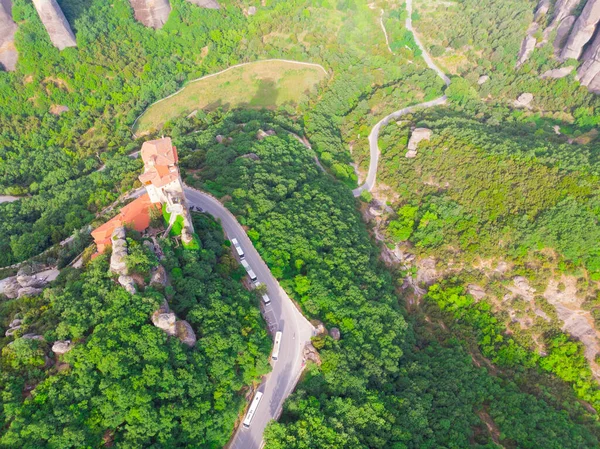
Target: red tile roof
column 160, row 159
column 136, row 213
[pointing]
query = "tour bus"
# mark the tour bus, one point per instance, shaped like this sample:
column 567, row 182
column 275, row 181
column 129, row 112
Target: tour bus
column 252, row 409
column 253, row 277
column 249, row 271
column 238, row 248
column 276, row 346
column 266, row 299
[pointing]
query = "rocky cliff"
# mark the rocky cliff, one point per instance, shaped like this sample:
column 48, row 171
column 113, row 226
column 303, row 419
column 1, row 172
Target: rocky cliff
column 582, row 31
column 151, row 13
column 8, row 52
column 56, row 24
column 210, row 4
column 574, row 38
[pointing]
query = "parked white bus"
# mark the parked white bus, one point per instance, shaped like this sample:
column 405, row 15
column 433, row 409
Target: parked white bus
column 249, row 270
column 252, row 409
column 276, row 346
column 253, row 277
column 266, row 299
column 238, row 248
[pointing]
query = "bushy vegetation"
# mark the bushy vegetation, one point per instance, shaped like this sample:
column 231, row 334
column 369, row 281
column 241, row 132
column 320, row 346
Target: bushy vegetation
column 381, row 385
column 125, row 382
column 119, row 67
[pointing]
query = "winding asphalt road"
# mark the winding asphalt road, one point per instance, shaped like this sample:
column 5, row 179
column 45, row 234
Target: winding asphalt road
column 374, row 134
column 281, row 315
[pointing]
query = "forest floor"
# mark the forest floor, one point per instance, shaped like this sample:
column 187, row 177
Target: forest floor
column 261, row 84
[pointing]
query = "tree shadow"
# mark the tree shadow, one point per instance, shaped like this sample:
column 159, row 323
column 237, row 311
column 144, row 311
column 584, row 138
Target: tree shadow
column 74, row 9
column 265, row 96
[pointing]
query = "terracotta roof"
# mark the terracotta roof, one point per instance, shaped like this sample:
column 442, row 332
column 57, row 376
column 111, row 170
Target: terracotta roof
column 136, row 213
column 159, row 152
column 160, row 159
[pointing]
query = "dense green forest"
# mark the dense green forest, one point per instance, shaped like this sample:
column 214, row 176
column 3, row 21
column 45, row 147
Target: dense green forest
column 383, row 384
column 494, row 183
column 125, row 382
column 120, row 67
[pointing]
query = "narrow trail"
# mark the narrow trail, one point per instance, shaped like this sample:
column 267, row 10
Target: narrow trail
column 374, row 134
column 387, row 41
column 308, row 64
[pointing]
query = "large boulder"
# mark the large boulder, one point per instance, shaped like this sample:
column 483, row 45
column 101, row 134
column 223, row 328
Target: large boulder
column 418, row 135
column 483, row 79
column 10, row 287
column 582, row 31
column 310, row 353
column 164, row 319
column 119, row 251
column 335, row 333
column 128, row 284
column 151, row 13
column 10, row 332
column 557, row 73
column 26, row 278
column 524, row 100
column 61, row 347
column 185, row 333
column 210, row 4
column 186, row 235
column 29, row 291
column 33, row 337
column 158, row 277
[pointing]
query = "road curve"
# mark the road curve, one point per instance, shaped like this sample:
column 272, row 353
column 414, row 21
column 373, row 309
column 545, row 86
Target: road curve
column 281, row 314
column 374, row 134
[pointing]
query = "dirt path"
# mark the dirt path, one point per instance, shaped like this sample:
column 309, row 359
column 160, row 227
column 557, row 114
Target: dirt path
column 374, row 135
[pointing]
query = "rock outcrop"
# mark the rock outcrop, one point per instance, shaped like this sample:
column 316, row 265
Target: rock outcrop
column 524, row 100
column 310, row 353
column 13, row 327
column 335, row 333
column 557, row 73
column 562, row 33
column 588, row 73
column 210, row 4
column 29, row 291
column 185, row 333
column 119, row 252
column 56, row 24
column 8, row 51
column 418, row 135
column 61, row 347
column 26, row 283
column 166, row 320
column 151, row 13
column 528, row 44
column 158, row 277
column 128, row 284
column 582, row 31
column 483, row 79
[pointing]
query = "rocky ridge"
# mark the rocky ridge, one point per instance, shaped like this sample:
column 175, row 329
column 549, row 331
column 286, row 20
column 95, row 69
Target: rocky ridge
column 574, row 39
column 56, row 24
column 8, row 28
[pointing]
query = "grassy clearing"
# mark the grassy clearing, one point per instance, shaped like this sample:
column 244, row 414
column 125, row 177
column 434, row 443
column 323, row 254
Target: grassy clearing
column 262, row 84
